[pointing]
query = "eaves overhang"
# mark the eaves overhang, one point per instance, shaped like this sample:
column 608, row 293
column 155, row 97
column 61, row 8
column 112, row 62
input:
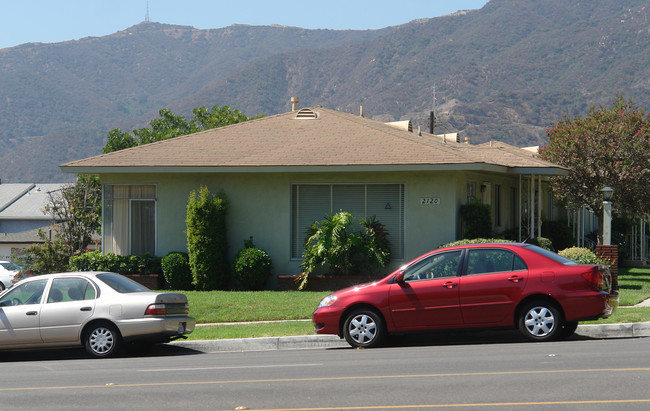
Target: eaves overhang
column 315, row 169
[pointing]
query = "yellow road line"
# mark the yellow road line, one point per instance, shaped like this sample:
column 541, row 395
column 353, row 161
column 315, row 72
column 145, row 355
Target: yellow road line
column 489, row 404
column 346, row 378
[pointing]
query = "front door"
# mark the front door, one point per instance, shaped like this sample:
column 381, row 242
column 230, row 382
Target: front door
column 429, row 295
column 20, row 314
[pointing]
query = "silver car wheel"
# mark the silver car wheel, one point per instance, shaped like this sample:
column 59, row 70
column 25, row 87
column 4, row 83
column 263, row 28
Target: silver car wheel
column 540, row 321
column 362, row 329
column 102, row 340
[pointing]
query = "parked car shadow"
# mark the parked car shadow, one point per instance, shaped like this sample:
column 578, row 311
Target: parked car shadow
column 158, row 350
column 460, row 337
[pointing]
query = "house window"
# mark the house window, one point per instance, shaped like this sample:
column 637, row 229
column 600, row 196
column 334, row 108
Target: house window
column 497, row 205
column 313, row 202
column 471, row 191
column 129, row 219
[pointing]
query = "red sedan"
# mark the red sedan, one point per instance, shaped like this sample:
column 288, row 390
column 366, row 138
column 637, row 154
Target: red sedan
column 472, row 286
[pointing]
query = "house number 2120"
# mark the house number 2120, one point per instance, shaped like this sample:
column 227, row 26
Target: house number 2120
column 429, row 200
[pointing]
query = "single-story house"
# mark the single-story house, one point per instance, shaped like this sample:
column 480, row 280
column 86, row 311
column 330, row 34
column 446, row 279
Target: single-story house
column 21, row 215
column 282, row 172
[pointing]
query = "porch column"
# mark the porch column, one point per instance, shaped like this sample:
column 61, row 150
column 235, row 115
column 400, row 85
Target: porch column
column 539, row 206
column 520, row 207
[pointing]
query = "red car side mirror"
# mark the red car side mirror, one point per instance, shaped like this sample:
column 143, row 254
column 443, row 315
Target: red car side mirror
column 399, row 277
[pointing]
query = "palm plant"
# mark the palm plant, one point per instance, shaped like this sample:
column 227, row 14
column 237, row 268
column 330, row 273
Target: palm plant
column 332, row 243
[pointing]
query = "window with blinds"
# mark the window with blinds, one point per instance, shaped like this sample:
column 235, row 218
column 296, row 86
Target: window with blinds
column 313, row 202
column 129, row 219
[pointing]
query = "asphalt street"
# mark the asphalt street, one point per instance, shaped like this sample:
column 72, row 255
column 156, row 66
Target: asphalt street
column 469, row 371
column 622, row 330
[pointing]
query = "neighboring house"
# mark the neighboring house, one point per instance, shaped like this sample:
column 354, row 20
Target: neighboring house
column 281, row 173
column 21, row 215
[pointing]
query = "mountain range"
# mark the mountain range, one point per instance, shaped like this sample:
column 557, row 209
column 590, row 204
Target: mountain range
column 505, row 72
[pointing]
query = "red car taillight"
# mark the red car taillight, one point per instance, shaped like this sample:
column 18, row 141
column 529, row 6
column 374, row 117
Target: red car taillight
column 594, row 278
column 156, row 309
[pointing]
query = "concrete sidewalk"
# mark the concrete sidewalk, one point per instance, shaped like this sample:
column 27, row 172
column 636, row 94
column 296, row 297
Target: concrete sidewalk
column 623, row 330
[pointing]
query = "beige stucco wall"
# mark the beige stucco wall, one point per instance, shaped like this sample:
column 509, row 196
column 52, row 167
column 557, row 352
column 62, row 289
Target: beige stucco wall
column 260, row 206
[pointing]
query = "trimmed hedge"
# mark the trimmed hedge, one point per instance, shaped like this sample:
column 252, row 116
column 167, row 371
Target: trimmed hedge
column 176, row 269
column 122, row 264
column 252, row 268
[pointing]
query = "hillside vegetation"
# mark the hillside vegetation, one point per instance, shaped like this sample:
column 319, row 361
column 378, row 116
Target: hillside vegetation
column 506, row 72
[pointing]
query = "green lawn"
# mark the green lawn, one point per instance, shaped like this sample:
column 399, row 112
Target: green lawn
column 240, row 307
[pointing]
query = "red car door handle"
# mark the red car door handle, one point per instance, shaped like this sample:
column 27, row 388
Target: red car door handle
column 515, row 278
column 449, row 284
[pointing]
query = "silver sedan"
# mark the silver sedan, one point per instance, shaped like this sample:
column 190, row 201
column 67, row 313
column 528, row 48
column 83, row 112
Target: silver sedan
column 98, row 310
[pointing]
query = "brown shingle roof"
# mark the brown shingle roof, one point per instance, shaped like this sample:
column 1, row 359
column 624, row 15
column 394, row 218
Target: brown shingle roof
column 334, row 138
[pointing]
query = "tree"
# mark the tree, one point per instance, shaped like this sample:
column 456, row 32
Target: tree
column 170, row 125
column 75, row 212
column 610, row 146
column 76, row 209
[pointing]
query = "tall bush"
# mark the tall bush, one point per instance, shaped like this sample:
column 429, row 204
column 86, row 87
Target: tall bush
column 477, row 220
column 560, row 234
column 207, row 244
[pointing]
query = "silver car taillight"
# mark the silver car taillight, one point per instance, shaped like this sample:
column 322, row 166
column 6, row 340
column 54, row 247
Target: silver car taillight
column 156, row 309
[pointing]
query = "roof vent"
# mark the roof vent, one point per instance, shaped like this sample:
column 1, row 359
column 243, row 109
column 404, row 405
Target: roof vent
column 405, row 125
column 306, row 113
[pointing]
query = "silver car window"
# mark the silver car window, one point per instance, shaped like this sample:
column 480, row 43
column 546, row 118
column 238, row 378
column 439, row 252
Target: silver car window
column 121, row 284
column 70, row 289
column 26, row 293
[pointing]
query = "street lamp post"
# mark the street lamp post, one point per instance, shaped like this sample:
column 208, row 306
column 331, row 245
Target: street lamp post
column 607, row 215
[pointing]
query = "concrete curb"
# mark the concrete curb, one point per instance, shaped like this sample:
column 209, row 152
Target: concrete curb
column 264, row 343
column 623, row 330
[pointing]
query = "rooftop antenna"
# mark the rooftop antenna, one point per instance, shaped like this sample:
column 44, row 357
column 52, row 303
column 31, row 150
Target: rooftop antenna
column 432, row 116
column 146, row 16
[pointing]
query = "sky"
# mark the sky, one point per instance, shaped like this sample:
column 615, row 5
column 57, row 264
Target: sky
column 52, row 21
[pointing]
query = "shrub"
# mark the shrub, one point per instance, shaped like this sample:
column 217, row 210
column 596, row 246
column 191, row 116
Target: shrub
column 176, row 269
column 582, row 255
column 127, row 264
column 252, row 268
column 477, row 220
column 560, row 234
column 543, row 242
column 49, row 257
column 207, row 245
column 476, row 241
